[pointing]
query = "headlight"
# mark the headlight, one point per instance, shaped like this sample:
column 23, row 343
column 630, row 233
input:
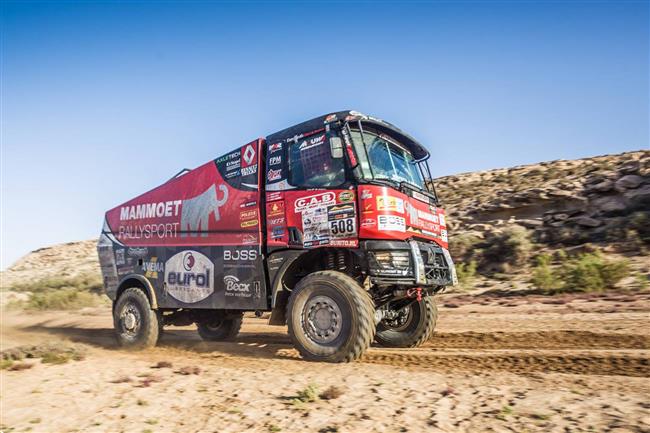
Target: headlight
column 396, row 262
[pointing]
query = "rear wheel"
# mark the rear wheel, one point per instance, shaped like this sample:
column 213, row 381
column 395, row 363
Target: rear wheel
column 410, row 327
column 137, row 326
column 330, row 317
column 220, row 327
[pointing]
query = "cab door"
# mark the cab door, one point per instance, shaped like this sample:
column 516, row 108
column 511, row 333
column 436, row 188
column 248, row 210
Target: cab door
column 309, row 201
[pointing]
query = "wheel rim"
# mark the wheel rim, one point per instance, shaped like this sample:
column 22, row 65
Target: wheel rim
column 214, row 325
column 402, row 321
column 322, row 319
column 130, row 320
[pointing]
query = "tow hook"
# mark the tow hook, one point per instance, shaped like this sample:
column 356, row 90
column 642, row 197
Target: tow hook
column 415, row 292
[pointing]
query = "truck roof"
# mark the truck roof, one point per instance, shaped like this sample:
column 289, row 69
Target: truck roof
column 419, row 151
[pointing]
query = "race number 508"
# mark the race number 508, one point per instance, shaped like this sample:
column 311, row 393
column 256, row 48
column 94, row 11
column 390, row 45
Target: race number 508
column 342, row 227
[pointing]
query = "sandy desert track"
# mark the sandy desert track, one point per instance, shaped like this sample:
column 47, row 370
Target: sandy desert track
column 582, row 364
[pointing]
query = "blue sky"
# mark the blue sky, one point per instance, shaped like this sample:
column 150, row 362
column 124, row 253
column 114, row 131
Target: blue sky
column 104, row 100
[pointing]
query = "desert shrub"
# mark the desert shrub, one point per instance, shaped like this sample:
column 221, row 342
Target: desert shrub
column 543, row 277
column 592, row 272
column 462, row 246
column 309, row 394
column 466, row 272
column 61, row 299
column 89, row 282
column 510, row 247
column 640, row 223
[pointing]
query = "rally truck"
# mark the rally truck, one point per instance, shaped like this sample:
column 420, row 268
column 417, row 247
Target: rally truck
column 333, row 226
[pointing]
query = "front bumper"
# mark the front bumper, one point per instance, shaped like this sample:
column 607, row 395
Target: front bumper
column 430, row 264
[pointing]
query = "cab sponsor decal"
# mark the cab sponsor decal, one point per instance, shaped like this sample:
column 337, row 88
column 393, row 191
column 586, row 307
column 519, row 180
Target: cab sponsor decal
column 443, row 221
column 274, row 175
column 317, row 200
column 366, row 194
column 391, row 223
column 152, row 267
column 419, row 196
column 277, row 232
column 275, row 160
column 189, row 276
column 276, row 221
column 323, row 225
column 275, row 147
column 273, row 196
column 389, row 203
column 312, row 142
column 275, row 208
column 346, row 196
column 249, row 239
column 368, row 222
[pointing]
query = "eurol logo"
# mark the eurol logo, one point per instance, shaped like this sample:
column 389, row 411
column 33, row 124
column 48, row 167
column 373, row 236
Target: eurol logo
column 317, row 200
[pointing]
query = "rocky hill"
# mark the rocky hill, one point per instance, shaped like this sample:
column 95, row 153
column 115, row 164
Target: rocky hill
column 603, row 200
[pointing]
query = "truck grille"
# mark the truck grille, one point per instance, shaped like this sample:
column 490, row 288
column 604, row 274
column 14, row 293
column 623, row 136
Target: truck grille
column 436, row 267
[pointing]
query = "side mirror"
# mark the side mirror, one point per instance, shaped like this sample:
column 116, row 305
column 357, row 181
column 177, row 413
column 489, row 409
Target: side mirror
column 336, row 147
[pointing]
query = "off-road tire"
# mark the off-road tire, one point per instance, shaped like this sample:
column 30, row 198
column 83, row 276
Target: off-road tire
column 419, row 330
column 357, row 325
column 149, row 321
column 221, row 329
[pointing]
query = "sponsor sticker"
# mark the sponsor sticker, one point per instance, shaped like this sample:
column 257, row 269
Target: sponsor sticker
column 189, row 276
column 239, row 255
column 274, row 174
column 119, row 257
column 391, row 223
column 275, row 160
column 277, row 232
column 312, row 142
column 238, row 289
column 317, row 200
column 276, row 208
column 152, row 267
column 346, row 196
column 366, row 194
column 249, row 154
column 389, row 203
column 275, row 147
column 443, row 221
column 368, row 222
column 139, row 252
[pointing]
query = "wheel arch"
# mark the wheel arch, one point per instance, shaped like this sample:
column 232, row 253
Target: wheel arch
column 301, row 263
column 135, row 280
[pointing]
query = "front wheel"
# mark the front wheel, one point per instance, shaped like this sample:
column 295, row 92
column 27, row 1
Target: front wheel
column 330, row 317
column 220, row 327
column 137, row 326
column 410, row 327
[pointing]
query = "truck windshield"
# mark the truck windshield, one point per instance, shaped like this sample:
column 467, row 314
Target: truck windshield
column 381, row 157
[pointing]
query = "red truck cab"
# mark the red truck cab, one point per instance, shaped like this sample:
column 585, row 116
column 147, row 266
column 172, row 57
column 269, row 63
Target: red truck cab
column 332, row 225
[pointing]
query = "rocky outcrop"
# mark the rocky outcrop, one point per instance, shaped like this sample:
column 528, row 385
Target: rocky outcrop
column 603, row 199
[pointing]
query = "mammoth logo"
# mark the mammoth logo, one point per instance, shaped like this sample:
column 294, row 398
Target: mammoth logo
column 195, row 212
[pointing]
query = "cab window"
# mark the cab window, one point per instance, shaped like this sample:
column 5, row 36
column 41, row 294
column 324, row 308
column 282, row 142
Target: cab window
column 311, row 163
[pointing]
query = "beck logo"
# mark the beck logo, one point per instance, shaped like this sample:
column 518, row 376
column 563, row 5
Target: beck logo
column 318, row 200
column 188, row 276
